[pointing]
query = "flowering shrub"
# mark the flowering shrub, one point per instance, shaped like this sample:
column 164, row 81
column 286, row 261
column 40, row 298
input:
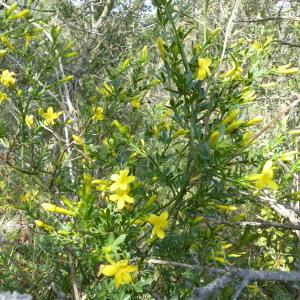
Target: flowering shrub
column 115, row 181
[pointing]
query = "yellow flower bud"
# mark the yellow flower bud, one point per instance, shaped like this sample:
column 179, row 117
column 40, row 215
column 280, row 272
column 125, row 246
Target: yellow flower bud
column 214, row 137
column 144, row 53
column 154, row 178
column 151, row 200
column 197, row 220
column 247, row 138
column 4, row 40
column 43, row 225
column 63, row 232
column 22, row 14
column 268, row 85
column 78, row 140
column 160, row 44
column 233, row 126
column 232, row 116
column 3, row 53
column 254, row 121
column 288, row 156
column 286, row 70
column 11, row 9
column 53, row 208
column 181, row 132
column 65, row 79
column 71, row 54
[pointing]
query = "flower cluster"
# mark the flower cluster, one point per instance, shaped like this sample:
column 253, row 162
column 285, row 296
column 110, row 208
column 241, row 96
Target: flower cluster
column 121, row 188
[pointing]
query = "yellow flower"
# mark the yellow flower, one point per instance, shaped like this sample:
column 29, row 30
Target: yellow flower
column 122, row 181
column 25, row 197
column 7, row 78
column 3, row 97
column 120, row 270
column 135, row 103
column 50, row 116
column 203, row 70
column 265, row 179
column 4, row 40
column 160, row 45
column 214, row 137
column 78, row 140
column 43, row 225
column 53, row 208
column 257, row 46
column 121, row 197
column 159, row 223
column 98, row 114
column 29, row 121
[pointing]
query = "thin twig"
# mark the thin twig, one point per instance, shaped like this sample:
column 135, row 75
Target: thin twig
column 274, row 121
column 228, row 30
column 240, row 288
column 255, row 224
column 73, row 277
column 267, row 19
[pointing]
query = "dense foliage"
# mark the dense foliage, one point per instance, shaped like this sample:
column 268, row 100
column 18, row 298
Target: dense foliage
column 165, row 156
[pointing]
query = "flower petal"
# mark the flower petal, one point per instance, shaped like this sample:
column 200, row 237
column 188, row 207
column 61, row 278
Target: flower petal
column 114, row 197
column 267, row 167
column 273, row 185
column 109, row 270
column 128, row 199
column 121, row 204
column 114, row 187
column 164, row 215
column 160, row 233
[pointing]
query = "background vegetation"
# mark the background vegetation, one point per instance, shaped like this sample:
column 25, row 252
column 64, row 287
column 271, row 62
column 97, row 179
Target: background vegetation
column 149, row 150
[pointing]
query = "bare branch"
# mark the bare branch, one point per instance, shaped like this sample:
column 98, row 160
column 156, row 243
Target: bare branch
column 288, row 43
column 228, row 274
column 268, row 19
column 240, row 288
column 255, row 224
column 212, row 288
column 105, row 13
